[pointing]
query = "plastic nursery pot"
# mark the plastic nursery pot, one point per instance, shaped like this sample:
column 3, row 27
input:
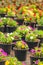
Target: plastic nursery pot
column 2, row 62
column 10, row 29
column 20, row 54
column 20, row 21
column 2, row 29
column 39, row 27
column 32, row 59
column 2, row 15
column 33, row 44
column 32, row 24
column 6, row 47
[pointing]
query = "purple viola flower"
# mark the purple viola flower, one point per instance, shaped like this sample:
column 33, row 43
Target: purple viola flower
column 4, row 53
column 23, row 42
column 36, row 62
column 32, row 51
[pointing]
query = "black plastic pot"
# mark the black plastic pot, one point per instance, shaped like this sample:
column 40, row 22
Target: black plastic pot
column 32, row 45
column 6, row 47
column 32, row 24
column 2, row 29
column 32, row 59
column 2, row 15
column 39, row 27
column 10, row 29
column 20, row 54
column 20, row 21
column 2, row 62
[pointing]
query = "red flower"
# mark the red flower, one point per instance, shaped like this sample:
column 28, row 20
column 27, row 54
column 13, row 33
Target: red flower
column 34, row 14
column 30, row 18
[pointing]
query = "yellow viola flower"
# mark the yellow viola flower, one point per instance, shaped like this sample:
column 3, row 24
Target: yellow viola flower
column 23, row 46
column 7, row 62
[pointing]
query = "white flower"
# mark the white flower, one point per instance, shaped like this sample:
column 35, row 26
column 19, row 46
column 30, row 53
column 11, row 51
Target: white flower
column 7, row 34
column 12, row 38
column 31, row 37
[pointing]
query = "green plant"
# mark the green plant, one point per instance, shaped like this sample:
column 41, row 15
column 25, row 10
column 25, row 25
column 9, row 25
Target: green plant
column 37, row 52
column 2, row 10
column 22, row 30
column 40, row 21
column 13, row 61
column 1, row 23
column 21, row 45
column 5, row 39
column 12, row 22
column 30, row 37
column 15, row 35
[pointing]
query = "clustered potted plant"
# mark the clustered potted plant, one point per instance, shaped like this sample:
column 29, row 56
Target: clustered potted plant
column 31, row 40
column 6, row 42
column 20, row 50
column 37, row 53
column 10, row 24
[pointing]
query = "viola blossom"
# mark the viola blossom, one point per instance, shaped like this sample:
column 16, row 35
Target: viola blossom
column 2, row 52
column 36, row 62
column 32, row 51
column 23, row 42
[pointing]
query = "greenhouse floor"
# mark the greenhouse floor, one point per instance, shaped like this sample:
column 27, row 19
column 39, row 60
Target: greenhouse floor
column 27, row 62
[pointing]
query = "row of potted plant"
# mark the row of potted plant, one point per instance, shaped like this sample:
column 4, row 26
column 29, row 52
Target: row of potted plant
column 29, row 13
column 8, row 60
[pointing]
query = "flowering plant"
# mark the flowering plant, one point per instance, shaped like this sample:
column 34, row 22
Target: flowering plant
column 38, row 62
column 21, row 45
column 22, row 30
column 15, row 35
column 3, row 55
column 9, row 22
column 37, row 52
column 13, row 61
column 5, row 39
column 31, row 37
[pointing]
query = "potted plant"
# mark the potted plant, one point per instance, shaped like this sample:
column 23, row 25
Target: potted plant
column 3, row 56
column 36, row 53
column 20, row 50
column 40, row 23
column 13, row 61
column 16, row 37
column 2, row 11
column 23, row 29
column 39, row 34
column 1, row 25
column 11, row 24
column 6, row 43
column 32, row 40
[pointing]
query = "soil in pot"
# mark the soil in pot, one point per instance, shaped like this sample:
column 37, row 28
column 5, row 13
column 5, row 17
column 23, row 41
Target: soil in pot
column 32, row 59
column 2, row 62
column 20, row 54
column 2, row 29
column 39, row 27
column 6, row 47
column 10, row 29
